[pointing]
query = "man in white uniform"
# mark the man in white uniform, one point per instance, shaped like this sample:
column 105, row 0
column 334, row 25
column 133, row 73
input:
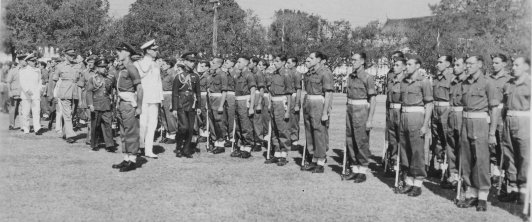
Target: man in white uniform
column 30, row 84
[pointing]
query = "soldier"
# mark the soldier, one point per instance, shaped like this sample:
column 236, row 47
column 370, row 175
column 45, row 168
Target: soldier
column 440, row 116
column 185, row 90
column 393, row 110
column 230, row 102
column 99, row 90
column 217, row 87
column 499, row 77
column 479, row 96
column 416, row 110
column 13, row 87
column 45, row 75
column 30, row 94
column 83, row 104
column 293, row 127
column 516, row 133
column 130, row 94
column 51, row 99
column 245, row 87
column 280, row 87
column 317, row 106
column 149, row 72
column 263, row 77
column 359, row 119
column 204, row 72
column 454, row 123
column 70, row 75
column 258, row 128
column 168, row 120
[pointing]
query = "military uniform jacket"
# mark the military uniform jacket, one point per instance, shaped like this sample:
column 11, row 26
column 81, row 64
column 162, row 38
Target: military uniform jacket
column 442, row 85
column 360, row 85
column 319, row 80
column 456, row 94
column 244, row 82
column 204, row 81
column 517, row 94
column 499, row 80
column 50, row 83
column 280, row 83
column 185, row 91
column 72, row 78
column 478, row 94
column 127, row 80
column 296, row 78
column 218, row 82
column 416, row 92
column 13, row 81
column 260, row 79
column 167, row 79
column 99, row 90
column 394, row 89
column 87, row 75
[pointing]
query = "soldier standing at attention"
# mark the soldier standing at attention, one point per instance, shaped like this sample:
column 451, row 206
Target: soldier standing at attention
column 454, row 123
column 217, row 86
column 516, row 133
column 393, row 111
column 230, row 102
column 416, row 110
column 168, row 120
column 99, row 90
column 317, row 105
column 479, row 95
column 440, row 116
column 130, row 94
column 293, row 127
column 262, row 78
column 150, row 76
column 204, row 74
column 245, row 87
column 13, row 90
column 70, row 74
column 258, row 128
column 280, row 88
column 83, row 104
column 499, row 77
column 359, row 119
column 30, row 93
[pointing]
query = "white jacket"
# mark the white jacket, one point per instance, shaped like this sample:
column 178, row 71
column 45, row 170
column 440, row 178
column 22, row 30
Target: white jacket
column 150, row 78
column 30, row 80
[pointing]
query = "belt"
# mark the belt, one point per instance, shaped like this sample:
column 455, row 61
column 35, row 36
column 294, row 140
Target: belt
column 266, row 94
column 278, row 98
column 294, row 95
column 413, row 109
column 441, row 103
column 457, row 108
column 215, row 94
column 500, row 106
column 244, row 97
column 395, row 105
column 203, row 93
column 357, row 102
column 475, row 115
column 517, row 113
column 315, row 97
column 230, row 93
column 167, row 92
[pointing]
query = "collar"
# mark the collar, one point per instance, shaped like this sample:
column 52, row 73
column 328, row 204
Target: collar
column 416, row 76
column 499, row 74
column 471, row 78
column 359, row 73
column 521, row 81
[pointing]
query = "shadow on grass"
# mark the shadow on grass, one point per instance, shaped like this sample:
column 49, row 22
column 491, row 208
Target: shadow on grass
column 141, row 161
column 433, row 184
column 512, row 208
column 158, row 149
column 80, row 136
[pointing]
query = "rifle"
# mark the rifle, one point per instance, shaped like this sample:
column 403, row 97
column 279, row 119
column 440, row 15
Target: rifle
column 459, row 186
column 209, row 110
column 397, row 167
column 114, row 107
column 501, row 177
column 269, row 131
column 234, row 138
column 444, row 167
column 344, row 162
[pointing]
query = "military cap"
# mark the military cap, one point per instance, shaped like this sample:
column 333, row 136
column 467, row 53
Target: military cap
column 56, row 59
column 149, row 45
column 136, row 57
column 101, row 63
column 30, row 57
column 91, row 57
column 70, row 52
column 124, row 46
column 21, row 56
column 190, row 56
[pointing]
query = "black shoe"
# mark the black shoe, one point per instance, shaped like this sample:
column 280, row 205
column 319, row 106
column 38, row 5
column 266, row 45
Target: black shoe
column 170, row 141
column 245, row 154
column 163, row 140
column 319, row 169
column 256, row 148
column 309, row 167
column 509, row 197
column 218, row 150
column 360, row 178
column 468, row 202
column 202, row 139
column 111, row 149
column 141, row 152
column 236, row 153
column 416, row 191
column 282, row 161
column 128, row 167
column 228, row 143
column 449, row 185
column 11, row 127
column 482, row 205
column 95, row 149
column 350, row 176
column 70, row 140
column 405, row 189
column 187, row 155
column 39, row 132
column 272, row 160
column 120, row 165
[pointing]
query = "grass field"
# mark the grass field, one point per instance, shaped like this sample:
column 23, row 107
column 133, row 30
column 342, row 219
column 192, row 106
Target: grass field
column 45, row 179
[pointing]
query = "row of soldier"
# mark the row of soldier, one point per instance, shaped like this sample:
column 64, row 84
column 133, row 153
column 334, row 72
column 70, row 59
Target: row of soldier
column 247, row 104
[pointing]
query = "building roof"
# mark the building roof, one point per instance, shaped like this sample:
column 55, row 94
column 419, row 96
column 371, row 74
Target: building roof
column 403, row 25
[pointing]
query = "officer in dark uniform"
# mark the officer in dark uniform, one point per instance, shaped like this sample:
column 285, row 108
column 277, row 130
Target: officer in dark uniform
column 454, row 123
column 293, row 127
column 359, row 119
column 440, row 116
column 416, row 110
column 516, row 133
column 479, row 96
column 185, row 89
column 130, row 95
column 245, row 87
column 83, row 104
column 499, row 77
column 280, row 87
column 99, row 90
column 218, row 85
column 317, row 106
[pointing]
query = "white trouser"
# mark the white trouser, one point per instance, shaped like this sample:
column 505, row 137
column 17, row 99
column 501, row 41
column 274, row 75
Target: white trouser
column 148, row 123
column 59, row 118
column 35, row 107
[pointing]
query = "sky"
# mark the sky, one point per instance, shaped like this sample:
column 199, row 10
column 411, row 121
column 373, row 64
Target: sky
column 357, row 12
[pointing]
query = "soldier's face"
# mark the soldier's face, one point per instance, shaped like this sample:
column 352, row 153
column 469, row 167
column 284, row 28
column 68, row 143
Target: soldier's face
column 398, row 67
column 90, row 64
column 307, row 62
column 498, row 64
column 122, row 54
column 473, row 65
column 357, row 61
column 411, row 66
column 152, row 53
column 261, row 66
column 101, row 70
column 241, row 63
column 459, row 67
column 278, row 63
column 313, row 61
column 32, row 63
column 202, row 68
column 290, row 64
column 520, row 68
column 216, row 63
column 442, row 64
